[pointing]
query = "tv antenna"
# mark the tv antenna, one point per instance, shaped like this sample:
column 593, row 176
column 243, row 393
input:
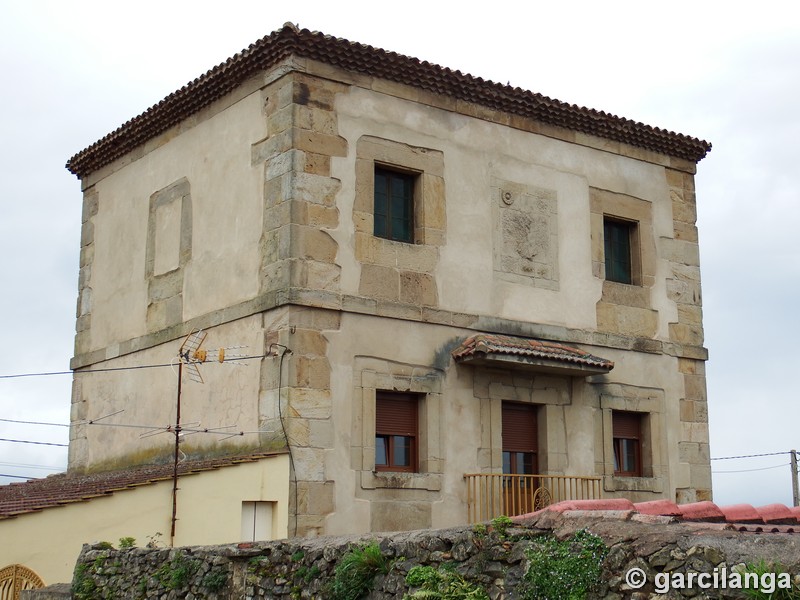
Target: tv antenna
column 191, row 355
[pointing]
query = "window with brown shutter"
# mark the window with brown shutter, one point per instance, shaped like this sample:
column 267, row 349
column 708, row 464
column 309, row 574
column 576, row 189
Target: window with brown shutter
column 520, row 438
column 396, row 431
column 627, row 443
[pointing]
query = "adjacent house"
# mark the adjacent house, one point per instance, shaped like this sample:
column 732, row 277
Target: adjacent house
column 452, row 299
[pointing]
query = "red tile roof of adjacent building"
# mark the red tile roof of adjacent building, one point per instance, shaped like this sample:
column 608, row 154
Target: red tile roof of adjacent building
column 491, row 343
column 64, row 488
column 368, row 60
column 772, row 518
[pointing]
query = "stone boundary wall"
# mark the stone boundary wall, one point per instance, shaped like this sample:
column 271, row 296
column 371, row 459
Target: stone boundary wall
column 491, row 557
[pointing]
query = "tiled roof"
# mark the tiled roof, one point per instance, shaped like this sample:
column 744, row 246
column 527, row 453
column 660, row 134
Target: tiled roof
column 57, row 490
column 371, row 61
column 772, row 518
column 488, row 344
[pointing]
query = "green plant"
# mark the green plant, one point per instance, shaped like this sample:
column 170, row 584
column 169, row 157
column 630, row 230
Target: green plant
column 479, row 529
column 84, row 586
column 298, row 556
column 215, row 579
column 501, row 524
column 443, row 583
column 103, row 546
column 563, row 570
column 177, row 572
column 127, row 542
column 355, row 572
column 154, row 540
column 774, row 583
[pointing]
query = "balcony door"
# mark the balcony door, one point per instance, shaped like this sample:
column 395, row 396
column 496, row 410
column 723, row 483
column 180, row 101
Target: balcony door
column 520, row 457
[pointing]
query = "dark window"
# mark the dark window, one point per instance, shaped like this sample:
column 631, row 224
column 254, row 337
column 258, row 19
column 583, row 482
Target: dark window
column 396, row 431
column 520, row 439
column 617, row 237
column 627, row 443
column 394, row 205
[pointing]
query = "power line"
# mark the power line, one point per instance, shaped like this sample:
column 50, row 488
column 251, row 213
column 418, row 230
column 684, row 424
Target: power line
column 31, row 442
column 17, row 476
column 34, row 423
column 111, row 369
column 750, row 455
column 28, row 466
column 751, row 470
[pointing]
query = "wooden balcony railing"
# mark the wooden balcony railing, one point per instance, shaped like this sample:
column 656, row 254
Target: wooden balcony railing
column 490, row 495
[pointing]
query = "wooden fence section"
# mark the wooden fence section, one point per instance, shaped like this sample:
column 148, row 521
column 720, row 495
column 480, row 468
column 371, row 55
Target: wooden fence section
column 490, row 495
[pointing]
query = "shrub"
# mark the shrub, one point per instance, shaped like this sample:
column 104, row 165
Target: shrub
column 563, row 570
column 443, row 583
column 355, row 572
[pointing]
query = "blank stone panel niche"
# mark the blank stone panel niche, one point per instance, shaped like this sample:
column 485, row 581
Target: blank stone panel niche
column 525, row 234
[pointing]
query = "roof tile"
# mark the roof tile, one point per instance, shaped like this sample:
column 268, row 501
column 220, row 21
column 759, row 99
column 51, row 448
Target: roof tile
column 289, row 40
column 65, row 488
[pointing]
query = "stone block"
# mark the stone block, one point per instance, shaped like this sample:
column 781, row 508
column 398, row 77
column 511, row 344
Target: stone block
column 690, row 314
column 87, row 233
column 308, row 342
column 297, row 430
column 694, row 387
column 320, row 434
column 271, row 147
column 316, row 189
column 397, row 310
column 685, row 232
column 626, row 320
column 687, row 410
column 690, row 366
column 309, row 372
column 409, row 257
column 280, row 120
column 379, row 282
column 315, row 498
column 323, row 217
column 309, row 464
column 286, row 162
column 318, row 164
column 319, row 143
column 694, row 452
column 320, row 276
column 399, row 515
column 312, row 243
column 433, row 192
column 91, row 204
column 681, row 252
column 310, row 403
column 686, row 334
column 315, row 119
column 418, row 288
column 87, row 255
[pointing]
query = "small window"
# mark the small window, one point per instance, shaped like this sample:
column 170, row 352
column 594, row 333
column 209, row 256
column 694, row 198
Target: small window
column 617, row 238
column 627, row 443
column 396, row 431
column 256, row 521
column 394, row 205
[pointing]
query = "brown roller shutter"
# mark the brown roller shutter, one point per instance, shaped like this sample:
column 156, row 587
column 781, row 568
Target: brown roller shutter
column 396, row 414
column 519, row 428
column 627, row 425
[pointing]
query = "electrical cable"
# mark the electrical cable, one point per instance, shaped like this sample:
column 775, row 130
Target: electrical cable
column 18, row 476
column 751, row 470
column 34, row 423
column 285, row 434
column 111, row 369
column 32, row 442
column 750, row 455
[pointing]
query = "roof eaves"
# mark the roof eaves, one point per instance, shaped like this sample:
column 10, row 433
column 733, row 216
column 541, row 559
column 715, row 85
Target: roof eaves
column 376, row 62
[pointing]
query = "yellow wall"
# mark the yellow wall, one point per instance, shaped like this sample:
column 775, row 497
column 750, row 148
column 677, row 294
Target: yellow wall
column 209, row 512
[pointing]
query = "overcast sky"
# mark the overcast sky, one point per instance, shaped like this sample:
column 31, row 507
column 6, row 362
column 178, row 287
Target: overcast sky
column 727, row 72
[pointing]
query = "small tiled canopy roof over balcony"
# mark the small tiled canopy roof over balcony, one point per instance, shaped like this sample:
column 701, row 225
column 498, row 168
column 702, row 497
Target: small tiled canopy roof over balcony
column 528, row 353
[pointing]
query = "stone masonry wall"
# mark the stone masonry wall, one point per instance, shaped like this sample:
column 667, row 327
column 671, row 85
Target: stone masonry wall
column 492, row 557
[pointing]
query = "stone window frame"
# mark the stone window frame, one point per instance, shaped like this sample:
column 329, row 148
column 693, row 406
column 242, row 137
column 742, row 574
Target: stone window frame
column 427, row 165
column 165, row 290
column 426, row 384
column 607, row 205
column 653, row 457
column 549, row 393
